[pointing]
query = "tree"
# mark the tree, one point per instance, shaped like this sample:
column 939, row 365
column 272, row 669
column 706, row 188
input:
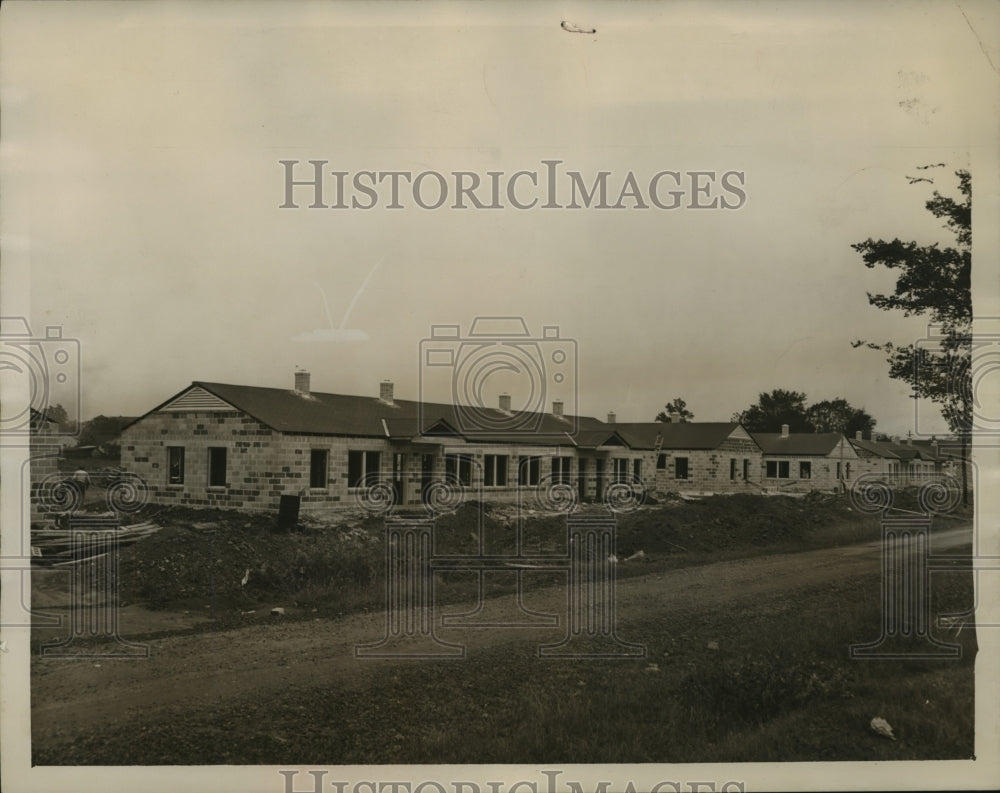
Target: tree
column 675, row 411
column 777, row 408
column 57, row 413
column 789, row 407
column 937, row 282
column 839, row 415
column 102, row 429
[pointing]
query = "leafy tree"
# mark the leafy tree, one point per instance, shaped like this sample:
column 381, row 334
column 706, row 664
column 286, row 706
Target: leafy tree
column 777, row 408
column 675, row 411
column 57, row 413
column 838, row 415
column 937, row 282
column 102, row 429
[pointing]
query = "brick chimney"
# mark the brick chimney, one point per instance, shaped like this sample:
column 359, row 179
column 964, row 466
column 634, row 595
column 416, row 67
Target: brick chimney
column 557, row 408
column 505, row 402
column 385, row 391
column 784, row 430
column 859, row 436
column 612, row 417
column 302, row 383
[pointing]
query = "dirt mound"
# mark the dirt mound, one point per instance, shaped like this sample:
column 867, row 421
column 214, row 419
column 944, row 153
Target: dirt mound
column 725, row 522
column 239, row 561
column 232, row 559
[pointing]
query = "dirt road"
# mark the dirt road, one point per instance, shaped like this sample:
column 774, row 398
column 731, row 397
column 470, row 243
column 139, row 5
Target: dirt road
column 195, row 672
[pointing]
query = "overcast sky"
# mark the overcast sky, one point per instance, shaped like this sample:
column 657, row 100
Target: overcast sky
column 142, row 205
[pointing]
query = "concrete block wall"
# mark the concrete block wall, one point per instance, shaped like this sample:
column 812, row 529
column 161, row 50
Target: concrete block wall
column 708, row 469
column 823, row 474
column 261, row 465
column 511, row 492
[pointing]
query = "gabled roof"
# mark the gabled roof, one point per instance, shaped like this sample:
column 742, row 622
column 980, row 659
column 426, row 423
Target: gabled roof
column 402, row 428
column 899, row 451
column 288, row 411
column 678, row 435
column 878, row 448
column 816, row 444
column 592, row 439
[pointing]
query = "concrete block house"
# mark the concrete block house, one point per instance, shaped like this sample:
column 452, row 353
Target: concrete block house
column 218, row 445
column 905, row 462
column 695, row 458
column 800, row 462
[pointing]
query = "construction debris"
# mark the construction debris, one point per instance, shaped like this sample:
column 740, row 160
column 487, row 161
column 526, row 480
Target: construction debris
column 55, row 546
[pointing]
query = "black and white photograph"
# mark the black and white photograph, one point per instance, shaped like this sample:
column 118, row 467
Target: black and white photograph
column 501, row 397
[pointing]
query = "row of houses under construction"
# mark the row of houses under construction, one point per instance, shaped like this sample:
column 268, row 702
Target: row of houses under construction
column 244, row 447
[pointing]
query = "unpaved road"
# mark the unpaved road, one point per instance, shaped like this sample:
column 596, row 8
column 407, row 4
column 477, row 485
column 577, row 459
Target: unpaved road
column 198, row 672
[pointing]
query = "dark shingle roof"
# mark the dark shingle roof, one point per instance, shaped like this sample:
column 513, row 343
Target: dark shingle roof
column 286, row 410
column 591, row 439
column 680, row 435
column 899, row 451
column 878, row 448
column 799, row 443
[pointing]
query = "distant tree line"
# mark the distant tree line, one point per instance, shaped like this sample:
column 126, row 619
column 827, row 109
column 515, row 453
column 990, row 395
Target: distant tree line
column 100, row 431
column 779, row 407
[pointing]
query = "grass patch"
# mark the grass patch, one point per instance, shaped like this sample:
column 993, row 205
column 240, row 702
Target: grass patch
column 768, row 679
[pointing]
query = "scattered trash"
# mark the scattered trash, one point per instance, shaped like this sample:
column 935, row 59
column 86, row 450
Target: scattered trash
column 652, row 667
column 713, row 645
column 3, row 647
column 637, row 556
column 278, row 610
column 252, row 611
column 881, row 727
column 613, row 559
column 97, row 665
column 246, row 577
